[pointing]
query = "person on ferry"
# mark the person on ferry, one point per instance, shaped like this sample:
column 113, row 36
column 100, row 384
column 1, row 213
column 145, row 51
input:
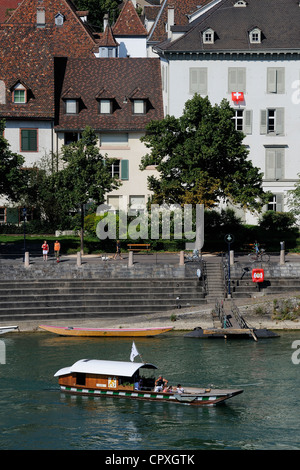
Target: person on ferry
column 160, row 383
column 180, row 389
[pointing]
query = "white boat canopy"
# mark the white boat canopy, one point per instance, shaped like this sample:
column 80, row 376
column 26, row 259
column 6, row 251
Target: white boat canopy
column 98, row 367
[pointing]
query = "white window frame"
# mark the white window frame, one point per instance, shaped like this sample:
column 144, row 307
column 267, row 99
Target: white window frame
column 208, row 36
column 71, row 106
column 139, row 106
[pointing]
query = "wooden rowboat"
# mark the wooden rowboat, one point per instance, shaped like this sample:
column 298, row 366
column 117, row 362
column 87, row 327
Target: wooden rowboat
column 119, row 379
column 77, row 331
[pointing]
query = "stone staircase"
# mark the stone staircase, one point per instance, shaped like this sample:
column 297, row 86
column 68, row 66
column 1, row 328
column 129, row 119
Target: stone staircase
column 50, row 299
column 247, row 288
column 214, row 282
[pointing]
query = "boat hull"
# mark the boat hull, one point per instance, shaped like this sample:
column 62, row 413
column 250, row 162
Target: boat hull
column 209, row 397
column 7, row 329
column 102, row 332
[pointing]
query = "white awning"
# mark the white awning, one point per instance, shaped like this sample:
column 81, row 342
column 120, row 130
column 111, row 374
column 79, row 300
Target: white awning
column 95, row 366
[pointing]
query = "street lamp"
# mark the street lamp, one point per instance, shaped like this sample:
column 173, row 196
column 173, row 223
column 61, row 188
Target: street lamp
column 24, row 225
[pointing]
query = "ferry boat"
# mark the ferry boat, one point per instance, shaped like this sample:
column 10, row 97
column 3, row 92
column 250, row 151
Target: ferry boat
column 80, row 331
column 131, row 380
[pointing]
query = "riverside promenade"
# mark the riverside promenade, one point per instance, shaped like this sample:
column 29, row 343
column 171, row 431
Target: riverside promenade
column 257, row 310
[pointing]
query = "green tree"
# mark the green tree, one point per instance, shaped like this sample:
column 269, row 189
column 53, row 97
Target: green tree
column 13, row 179
column 85, row 177
column 97, row 9
column 200, row 158
column 294, row 199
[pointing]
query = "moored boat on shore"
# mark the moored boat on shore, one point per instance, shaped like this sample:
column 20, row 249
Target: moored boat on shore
column 7, row 329
column 80, row 331
column 131, row 380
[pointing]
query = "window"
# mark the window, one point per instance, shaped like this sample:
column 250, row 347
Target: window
column 114, row 140
column 29, row 140
column 255, row 36
column 71, row 106
column 198, row 80
column 113, row 202
column 275, row 203
column 2, row 215
column 59, row 19
column 243, row 120
column 274, row 166
column 120, row 169
column 105, row 106
column 238, row 119
column 208, row 36
column 19, row 96
column 139, row 107
column 275, row 80
column 236, row 79
column 272, row 121
column 70, row 137
column 115, row 168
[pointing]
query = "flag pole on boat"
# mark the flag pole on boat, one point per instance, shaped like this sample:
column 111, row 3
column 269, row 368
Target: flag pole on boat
column 134, row 352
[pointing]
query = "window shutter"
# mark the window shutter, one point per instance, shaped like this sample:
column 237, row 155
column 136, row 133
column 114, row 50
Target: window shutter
column 279, row 202
column 263, row 121
column 248, row 121
column 279, row 168
column 280, row 121
column 236, row 79
column 241, row 79
column 203, row 81
column 124, row 169
column 271, row 80
column 281, row 80
column 270, row 164
column 198, row 80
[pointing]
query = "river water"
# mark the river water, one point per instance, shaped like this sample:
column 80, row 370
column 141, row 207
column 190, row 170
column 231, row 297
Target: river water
column 35, row 415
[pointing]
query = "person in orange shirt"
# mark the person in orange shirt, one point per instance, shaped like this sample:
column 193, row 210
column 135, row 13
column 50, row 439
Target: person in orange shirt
column 57, row 250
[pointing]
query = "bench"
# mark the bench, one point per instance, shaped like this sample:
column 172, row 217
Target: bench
column 138, row 246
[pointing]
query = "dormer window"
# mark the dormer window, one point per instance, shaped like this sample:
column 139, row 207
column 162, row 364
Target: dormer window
column 59, row 19
column 71, row 106
column 240, row 3
column 208, row 36
column 105, row 106
column 255, row 36
column 139, row 106
column 107, row 102
column 19, row 94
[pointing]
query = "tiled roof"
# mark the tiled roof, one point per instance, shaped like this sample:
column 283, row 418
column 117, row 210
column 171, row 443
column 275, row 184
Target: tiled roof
column 116, row 78
column 107, row 38
column 182, row 8
column 128, row 22
column 6, row 8
column 277, row 19
column 27, row 53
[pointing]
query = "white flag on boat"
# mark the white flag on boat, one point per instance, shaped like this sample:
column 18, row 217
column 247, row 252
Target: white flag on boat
column 134, row 352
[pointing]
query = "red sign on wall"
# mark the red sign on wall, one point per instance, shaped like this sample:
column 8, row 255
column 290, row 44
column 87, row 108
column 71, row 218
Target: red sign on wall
column 257, row 275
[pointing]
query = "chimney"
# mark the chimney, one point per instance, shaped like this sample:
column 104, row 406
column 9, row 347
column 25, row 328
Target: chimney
column 105, row 21
column 170, row 19
column 40, row 17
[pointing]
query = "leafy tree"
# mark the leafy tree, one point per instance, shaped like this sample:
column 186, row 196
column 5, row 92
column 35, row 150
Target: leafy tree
column 97, row 9
column 85, row 177
column 12, row 176
column 200, row 158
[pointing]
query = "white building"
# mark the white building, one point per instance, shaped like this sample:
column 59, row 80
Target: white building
column 252, row 48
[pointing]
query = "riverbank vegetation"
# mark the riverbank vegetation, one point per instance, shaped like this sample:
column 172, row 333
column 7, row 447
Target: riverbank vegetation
column 273, row 228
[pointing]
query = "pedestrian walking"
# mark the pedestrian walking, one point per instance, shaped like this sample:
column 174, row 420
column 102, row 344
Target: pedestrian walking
column 118, row 250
